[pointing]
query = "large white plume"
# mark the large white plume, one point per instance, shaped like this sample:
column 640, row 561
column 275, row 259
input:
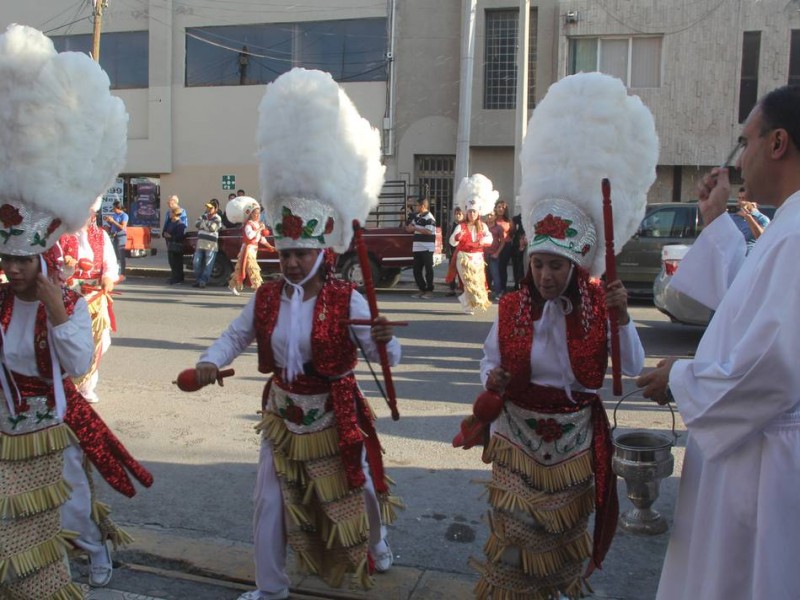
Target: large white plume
column 477, row 193
column 312, row 143
column 586, row 128
column 63, row 136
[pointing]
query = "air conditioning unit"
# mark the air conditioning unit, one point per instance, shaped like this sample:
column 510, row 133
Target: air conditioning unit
column 571, row 17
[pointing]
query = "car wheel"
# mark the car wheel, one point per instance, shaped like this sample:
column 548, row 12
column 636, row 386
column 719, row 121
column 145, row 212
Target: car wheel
column 221, row 272
column 351, row 271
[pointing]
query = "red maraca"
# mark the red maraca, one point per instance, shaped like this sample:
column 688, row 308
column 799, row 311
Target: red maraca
column 85, row 264
column 485, row 409
column 187, row 380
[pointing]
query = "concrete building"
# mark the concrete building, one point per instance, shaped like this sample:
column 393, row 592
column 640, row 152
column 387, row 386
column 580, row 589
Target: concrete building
column 193, row 72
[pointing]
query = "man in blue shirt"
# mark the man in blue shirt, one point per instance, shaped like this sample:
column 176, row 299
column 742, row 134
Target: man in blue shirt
column 749, row 220
column 117, row 223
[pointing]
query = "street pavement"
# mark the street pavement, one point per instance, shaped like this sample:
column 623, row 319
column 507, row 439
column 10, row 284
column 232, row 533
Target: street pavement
column 175, row 558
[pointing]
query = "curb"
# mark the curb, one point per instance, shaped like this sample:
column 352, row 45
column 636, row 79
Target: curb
column 232, row 562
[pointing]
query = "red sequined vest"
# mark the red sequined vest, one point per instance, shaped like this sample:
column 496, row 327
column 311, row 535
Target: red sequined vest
column 466, row 243
column 333, row 353
column 587, row 342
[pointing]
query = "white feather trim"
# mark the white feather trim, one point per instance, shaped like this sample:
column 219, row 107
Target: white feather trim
column 586, row 128
column 63, row 136
column 238, row 209
column 313, row 143
column 476, row 192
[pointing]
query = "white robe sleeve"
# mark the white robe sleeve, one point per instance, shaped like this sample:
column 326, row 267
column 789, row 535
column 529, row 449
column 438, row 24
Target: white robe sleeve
column 110, row 265
column 745, row 372
column 234, row 340
column 631, row 352
column 711, row 264
column 486, row 239
column 455, row 236
column 491, row 353
column 359, row 309
column 73, row 341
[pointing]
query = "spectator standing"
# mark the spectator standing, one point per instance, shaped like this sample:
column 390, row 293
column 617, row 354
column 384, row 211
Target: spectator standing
column 174, row 233
column 423, row 226
column 452, row 279
column 491, row 252
column 208, row 226
column 748, row 219
column 500, row 254
column 736, row 518
column 117, row 223
column 172, row 203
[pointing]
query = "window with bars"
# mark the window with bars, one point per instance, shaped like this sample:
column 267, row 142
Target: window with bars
column 794, row 58
column 435, row 175
column 636, row 60
column 748, row 83
column 500, row 59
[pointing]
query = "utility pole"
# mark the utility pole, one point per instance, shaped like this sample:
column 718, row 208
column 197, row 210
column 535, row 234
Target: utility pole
column 465, row 91
column 521, row 125
column 97, row 13
column 243, row 62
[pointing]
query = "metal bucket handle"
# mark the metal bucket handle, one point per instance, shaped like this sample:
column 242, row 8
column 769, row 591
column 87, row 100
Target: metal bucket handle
column 669, row 406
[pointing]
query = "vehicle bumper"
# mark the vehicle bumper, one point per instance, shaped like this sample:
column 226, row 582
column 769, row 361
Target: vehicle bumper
column 678, row 306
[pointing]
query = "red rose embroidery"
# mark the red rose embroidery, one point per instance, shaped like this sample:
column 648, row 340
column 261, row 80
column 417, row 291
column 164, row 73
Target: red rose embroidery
column 10, row 216
column 294, row 414
column 54, row 224
column 549, row 430
column 329, row 225
column 292, row 226
column 23, row 405
column 585, row 249
column 554, row 227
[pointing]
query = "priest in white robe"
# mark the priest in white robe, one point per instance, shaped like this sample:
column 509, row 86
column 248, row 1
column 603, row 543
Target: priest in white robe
column 735, row 533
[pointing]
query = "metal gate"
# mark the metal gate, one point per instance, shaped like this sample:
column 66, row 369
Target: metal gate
column 435, row 175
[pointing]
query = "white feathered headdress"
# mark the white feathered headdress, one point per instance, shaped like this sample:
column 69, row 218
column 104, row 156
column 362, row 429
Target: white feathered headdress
column 320, row 161
column 477, row 193
column 63, row 140
column 238, row 209
column 586, row 128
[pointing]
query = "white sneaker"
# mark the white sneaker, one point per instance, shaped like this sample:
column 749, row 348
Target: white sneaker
column 100, row 567
column 259, row 595
column 383, row 560
column 234, row 291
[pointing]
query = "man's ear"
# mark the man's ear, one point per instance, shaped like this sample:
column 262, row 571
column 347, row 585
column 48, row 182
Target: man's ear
column 780, row 143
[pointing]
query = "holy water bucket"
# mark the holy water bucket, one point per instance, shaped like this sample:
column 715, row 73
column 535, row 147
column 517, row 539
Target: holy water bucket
column 643, row 458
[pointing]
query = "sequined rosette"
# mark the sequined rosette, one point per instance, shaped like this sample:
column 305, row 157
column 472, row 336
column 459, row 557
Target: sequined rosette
column 33, row 547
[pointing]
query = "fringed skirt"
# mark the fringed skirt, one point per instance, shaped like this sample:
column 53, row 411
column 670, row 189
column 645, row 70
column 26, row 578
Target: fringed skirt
column 33, row 547
column 472, row 271
column 541, row 495
column 326, row 521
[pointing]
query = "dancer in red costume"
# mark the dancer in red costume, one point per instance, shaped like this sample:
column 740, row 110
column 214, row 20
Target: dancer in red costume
column 321, row 484
column 546, row 355
column 254, row 234
column 47, row 428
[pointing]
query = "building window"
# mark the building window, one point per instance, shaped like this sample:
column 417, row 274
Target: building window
column 794, row 58
column 748, row 86
column 500, row 59
column 350, row 50
column 635, row 60
column 124, row 55
column 435, row 175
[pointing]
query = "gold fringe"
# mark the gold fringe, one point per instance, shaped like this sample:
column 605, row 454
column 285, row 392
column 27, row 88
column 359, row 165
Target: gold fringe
column 554, row 521
column 108, row 528
column 485, row 590
column 548, row 478
column 37, row 443
column 328, row 488
column 388, row 504
column 49, row 497
column 361, row 577
column 306, row 562
column 71, row 591
column 348, row 532
column 301, row 448
column 37, row 557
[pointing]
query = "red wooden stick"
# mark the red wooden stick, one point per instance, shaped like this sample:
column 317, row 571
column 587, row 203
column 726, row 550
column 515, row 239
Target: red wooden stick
column 611, row 275
column 372, row 300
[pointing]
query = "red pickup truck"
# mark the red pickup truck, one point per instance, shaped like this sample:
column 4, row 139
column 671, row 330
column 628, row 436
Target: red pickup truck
column 389, row 250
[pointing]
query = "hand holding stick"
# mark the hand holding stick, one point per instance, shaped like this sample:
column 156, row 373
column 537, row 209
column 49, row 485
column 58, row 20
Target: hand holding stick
column 187, row 380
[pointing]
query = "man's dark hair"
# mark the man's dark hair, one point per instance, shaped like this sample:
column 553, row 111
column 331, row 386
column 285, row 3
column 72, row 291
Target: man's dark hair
column 117, row 204
column 214, row 202
column 422, row 201
column 780, row 109
column 741, row 189
column 240, row 193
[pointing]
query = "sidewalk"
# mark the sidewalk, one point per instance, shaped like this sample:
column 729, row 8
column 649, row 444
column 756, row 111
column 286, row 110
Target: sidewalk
column 210, row 561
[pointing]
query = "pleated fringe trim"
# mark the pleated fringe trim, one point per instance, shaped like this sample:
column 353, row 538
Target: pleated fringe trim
column 37, row 443
column 536, row 562
column 548, row 478
column 37, row 557
column 71, row 591
column 554, row 521
column 101, row 515
column 298, row 448
column 510, row 584
column 474, row 281
column 388, row 504
column 49, row 497
column 349, row 532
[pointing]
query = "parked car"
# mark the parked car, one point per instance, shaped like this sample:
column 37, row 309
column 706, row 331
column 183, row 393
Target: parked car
column 389, row 250
column 679, row 307
column 668, row 223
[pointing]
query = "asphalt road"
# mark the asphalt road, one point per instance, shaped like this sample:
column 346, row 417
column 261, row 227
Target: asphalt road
column 202, row 449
